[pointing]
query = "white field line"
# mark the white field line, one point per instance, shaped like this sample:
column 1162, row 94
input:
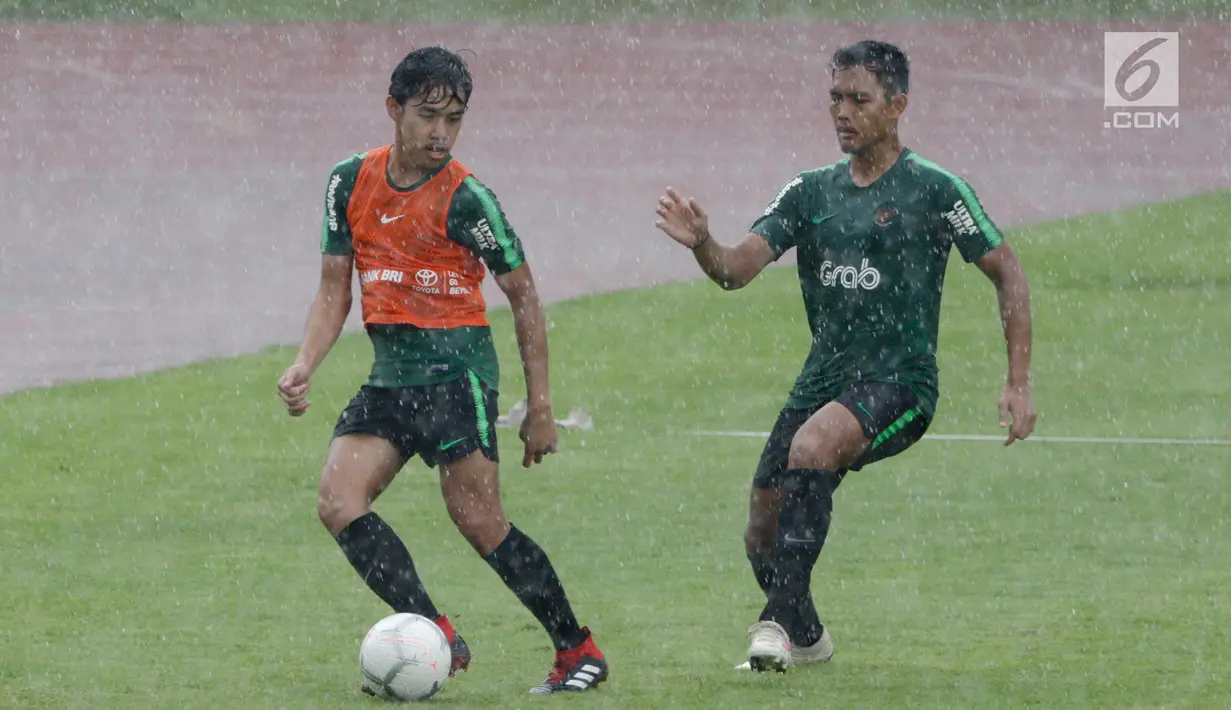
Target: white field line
column 1040, row 439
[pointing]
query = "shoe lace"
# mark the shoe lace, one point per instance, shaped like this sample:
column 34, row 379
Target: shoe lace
column 565, row 660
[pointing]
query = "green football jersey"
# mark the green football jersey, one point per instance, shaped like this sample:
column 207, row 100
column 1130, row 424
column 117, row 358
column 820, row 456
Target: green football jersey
column 871, row 263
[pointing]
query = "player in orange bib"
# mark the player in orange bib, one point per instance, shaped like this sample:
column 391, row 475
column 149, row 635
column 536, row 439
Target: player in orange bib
column 421, row 232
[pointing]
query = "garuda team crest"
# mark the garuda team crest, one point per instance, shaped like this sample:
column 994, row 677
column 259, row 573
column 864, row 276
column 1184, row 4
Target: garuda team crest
column 885, row 216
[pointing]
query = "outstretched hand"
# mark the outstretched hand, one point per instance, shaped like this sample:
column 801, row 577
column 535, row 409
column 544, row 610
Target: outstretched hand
column 683, row 219
column 1017, row 412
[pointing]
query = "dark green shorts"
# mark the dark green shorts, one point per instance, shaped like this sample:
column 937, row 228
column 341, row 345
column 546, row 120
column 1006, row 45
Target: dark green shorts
column 890, row 415
column 440, row 423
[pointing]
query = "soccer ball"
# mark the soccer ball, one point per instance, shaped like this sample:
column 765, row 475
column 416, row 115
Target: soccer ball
column 405, row 657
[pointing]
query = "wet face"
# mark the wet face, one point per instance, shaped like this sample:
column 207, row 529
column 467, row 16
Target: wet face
column 861, row 115
column 427, row 126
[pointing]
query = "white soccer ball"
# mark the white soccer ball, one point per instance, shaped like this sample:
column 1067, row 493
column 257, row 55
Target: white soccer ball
column 405, row 657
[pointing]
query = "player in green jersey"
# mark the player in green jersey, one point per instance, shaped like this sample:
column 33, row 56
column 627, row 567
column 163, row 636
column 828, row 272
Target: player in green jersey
column 872, row 234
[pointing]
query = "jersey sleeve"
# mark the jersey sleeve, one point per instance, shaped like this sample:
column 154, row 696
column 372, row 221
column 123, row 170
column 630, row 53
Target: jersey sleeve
column 962, row 216
column 335, row 229
column 477, row 222
column 783, row 219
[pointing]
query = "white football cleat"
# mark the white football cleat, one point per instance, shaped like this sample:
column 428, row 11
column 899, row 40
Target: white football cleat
column 818, row 652
column 770, row 648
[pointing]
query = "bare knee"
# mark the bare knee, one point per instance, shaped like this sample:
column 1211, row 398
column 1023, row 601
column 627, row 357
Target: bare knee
column 337, row 509
column 336, row 514
column 471, row 491
column 482, row 529
column 356, row 471
column 833, row 439
column 810, row 449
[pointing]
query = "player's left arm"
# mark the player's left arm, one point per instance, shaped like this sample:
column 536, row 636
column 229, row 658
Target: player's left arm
column 530, row 324
column 1002, row 266
column 477, row 222
column 980, row 242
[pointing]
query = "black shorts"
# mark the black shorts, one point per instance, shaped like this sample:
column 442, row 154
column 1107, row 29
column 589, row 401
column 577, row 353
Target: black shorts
column 889, row 414
column 440, row 423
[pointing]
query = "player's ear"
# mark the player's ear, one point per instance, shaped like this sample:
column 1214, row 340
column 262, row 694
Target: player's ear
column 897, row 105
column 393, row 108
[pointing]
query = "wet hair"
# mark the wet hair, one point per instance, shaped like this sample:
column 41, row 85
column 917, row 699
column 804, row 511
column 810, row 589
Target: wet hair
column 885, row 60
column 433, row 72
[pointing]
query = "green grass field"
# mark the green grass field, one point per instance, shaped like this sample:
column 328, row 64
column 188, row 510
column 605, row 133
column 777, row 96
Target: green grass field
column 161, row 548
column 432, row 11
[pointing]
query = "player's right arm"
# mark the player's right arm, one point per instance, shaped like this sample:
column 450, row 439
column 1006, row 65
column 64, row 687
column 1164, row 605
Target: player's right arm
column 329, row 311
column 332, row 304
column 733, row 267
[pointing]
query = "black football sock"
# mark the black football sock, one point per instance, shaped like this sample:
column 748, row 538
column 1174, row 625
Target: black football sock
column 380, row 558
column 524, row 568
column 808, row 626
column 803, row 524
column 763, row 569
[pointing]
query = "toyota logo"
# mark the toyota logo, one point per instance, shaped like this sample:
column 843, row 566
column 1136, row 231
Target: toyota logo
column 426, row 277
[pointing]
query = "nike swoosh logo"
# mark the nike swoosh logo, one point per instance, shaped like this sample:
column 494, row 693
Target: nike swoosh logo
column 451, row 444
column 386, row 220
column 865, row 409
column 818, row 220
